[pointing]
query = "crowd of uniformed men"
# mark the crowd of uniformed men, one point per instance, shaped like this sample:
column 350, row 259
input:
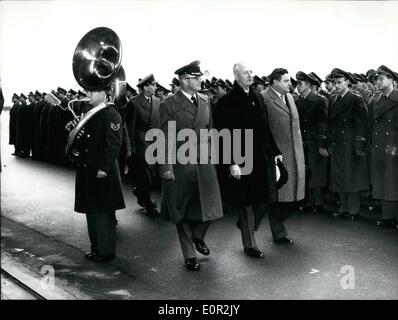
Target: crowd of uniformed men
column 350, row 140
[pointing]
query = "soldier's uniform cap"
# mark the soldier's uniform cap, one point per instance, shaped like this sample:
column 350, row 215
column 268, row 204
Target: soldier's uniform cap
column 61, row 90
column 175, row 82
column 353, row 79
column 229, row 83
column 338, row 73
column 147, row 80
column 214, row 79
column 220, row 82
column 37, row 93
column 23, row 96
column 293, row 82
column 15, row 96
column 265, row 79
column 43, row 94
column 81, row 93
column 370, row 74
column 313, row 74
column 192, row 69
column 328, row 78
column 258, row 80
column 358, row 77
column 387, row 71
column 302, row 76
column 71, row 91
column 130, row 88
column 160, row 87
column 55, row 93
column 30, row 94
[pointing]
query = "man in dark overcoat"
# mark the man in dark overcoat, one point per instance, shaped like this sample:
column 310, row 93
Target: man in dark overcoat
column 13, row 123
column 349, row 131
column 143, row 115
column 384, row 147
column 98, row 191
column 313, row 113
column 190, row 192
column 243, row 108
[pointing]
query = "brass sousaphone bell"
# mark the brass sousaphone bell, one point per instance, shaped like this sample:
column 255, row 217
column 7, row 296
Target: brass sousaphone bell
column 96, row 63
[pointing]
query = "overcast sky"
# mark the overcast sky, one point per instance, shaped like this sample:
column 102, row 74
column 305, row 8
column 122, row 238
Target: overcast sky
column 38, row 38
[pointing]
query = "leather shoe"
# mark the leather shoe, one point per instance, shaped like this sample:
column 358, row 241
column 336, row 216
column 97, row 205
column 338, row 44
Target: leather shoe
column 99, row 258
column 254, row 252
column 152, row 212
column 386, row 223
column 353, row 217
column 192, row 264
column 340, row 214
column 284, row 240
column 138, row 196
column 317, row 209
column 201, row 246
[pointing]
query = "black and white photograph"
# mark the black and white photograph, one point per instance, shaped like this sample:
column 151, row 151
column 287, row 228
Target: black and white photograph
column 199, row 158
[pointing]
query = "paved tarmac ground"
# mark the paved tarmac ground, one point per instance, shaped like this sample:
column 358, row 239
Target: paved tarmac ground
column 38, row 197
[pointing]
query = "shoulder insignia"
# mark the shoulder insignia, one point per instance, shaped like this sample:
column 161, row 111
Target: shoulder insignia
column 115, row 126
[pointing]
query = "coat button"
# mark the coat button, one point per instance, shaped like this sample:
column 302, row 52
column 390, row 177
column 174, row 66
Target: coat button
column 84, row 165
column 375, row 121
column 342, row 131
column 376, row 145
column 376, row 133
column 389, row 120
column 88, row 136
column 387, row 133
column 86, row 150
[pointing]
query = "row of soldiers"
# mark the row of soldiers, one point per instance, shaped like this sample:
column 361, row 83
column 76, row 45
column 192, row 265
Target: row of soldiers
column 38, row 128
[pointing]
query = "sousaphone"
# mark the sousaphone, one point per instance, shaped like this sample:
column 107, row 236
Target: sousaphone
column 96, row 63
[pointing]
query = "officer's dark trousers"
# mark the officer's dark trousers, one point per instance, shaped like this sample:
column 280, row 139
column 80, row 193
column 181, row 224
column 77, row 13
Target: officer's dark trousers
column 315, row 196
column 187, row 230
column 277, row 212
column 349, row 202
column 389, row 210
column 102, row 232
column 144, row 182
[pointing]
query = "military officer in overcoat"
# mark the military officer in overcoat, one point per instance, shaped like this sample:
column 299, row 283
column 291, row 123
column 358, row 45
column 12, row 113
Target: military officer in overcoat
column 384, row 147
column 143, row 115
column 98, row 189
column 13, row 123
column 349, row 132
column 190, row 192
column 313, row 113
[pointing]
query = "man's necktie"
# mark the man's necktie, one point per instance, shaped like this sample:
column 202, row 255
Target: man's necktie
column 194, row 101
column 339, row 97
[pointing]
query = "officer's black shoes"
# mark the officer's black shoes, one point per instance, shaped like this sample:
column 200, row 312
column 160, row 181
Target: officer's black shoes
column 317, row 209
column 353, row 217
column 254, row 252
column 140, row 201
column 99, row 258
column 386, row 223
column 192, row 264
column 201, row 246
column 152, row 212
column 340, row 214
column 284, row 240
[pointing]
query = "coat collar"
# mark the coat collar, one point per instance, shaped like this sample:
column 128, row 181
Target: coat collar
column 392, row 101
column 335, row 110
column 181, row 100
column 278, row 101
